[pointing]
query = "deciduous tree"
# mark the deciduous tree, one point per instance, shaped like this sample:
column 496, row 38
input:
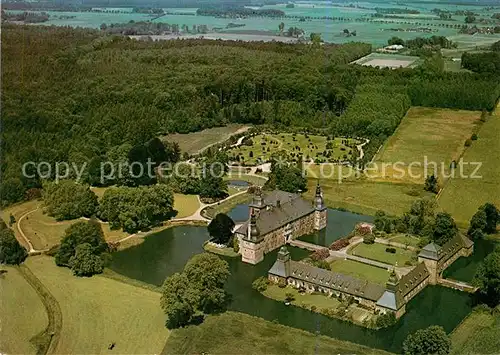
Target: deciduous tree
column 431, row 340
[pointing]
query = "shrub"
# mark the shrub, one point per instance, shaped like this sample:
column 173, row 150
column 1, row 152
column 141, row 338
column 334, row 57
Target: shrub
column 468, row 143
column 339, row 244
column 474, row 137
column 321, row 254
column 369, row 239
column 482, row 308
column 289, row 297
column 322, row 264
column 391, row 250
column 282, row 283
column 386, row 320
column 260, row 284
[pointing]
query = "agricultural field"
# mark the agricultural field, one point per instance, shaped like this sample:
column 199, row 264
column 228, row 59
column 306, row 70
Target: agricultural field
column 310, row 147
column 477, row 334
column 425, row 134
column 196, row 142
column 392, row 61
column 98, row 311
column 377, row 252
column 366, row 197
column 22, row 313
column 462, row 196
column 361, row 271
column 244, row 334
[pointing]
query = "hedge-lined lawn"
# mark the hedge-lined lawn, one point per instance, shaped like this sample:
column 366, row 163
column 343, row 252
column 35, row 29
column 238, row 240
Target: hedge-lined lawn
column 97, row 311
column 310, row 147
column 479, row 333
column 238, row 333
column 377, row 252
column 361, row 271
column 462, row 196
column 22, row 313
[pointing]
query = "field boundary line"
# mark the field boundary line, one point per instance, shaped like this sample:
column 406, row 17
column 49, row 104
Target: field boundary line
column 54, row 314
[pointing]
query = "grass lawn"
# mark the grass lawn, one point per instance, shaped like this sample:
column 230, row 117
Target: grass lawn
column 221, row 251
column 477, row 334
column 366, row 197
column 438, row 134
column 310, row 147
column 185, row 205
column 193, row 143
column 304, row 300
column 377, row 252
column 44, row 231
column 238, row 333
column 462, row 196
column 404, row 239
column 361, row 271
column 97, row 311
column 22, row 314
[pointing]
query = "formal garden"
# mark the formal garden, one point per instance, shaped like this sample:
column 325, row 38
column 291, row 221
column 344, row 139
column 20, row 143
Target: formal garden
column 258, row 149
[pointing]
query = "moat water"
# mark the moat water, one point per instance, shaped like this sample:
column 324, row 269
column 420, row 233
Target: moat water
column 166, row 252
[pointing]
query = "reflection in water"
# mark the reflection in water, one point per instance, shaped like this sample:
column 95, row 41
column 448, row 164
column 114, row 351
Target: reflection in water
column 166, row 252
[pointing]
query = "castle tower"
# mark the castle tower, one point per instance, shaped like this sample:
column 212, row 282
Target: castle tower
column 252, row 246
column 391, row 300
column 281, row 267
column 393, row 281
column 430, row 256
column 320, row 210
column 257, row 204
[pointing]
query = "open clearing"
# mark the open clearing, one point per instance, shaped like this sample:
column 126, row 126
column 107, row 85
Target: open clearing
column 238, row 333
column 477, row 334
column 437, row 135
column 366, row 197
column 462, row 196
column 195, row 142
column 309, row 147
column 377, row 252
column 21, row 312
column 185, row 205
column 98, row 311
column 392, row 61
column 361, row 271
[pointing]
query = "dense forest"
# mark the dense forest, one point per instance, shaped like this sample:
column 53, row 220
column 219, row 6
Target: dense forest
column 80, row 96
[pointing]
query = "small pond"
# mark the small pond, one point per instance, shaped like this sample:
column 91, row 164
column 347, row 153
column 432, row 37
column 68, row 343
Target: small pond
column 239, row 213
column 238, row 183
column 166, row 252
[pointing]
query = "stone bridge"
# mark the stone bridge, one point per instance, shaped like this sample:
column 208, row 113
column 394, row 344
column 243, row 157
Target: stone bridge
column 305, row 245
column 457, row 285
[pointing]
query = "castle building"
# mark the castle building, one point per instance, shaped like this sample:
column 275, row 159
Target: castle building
column 432, row 261
column 276, row 218
column 437, row 258
column 391, row 298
